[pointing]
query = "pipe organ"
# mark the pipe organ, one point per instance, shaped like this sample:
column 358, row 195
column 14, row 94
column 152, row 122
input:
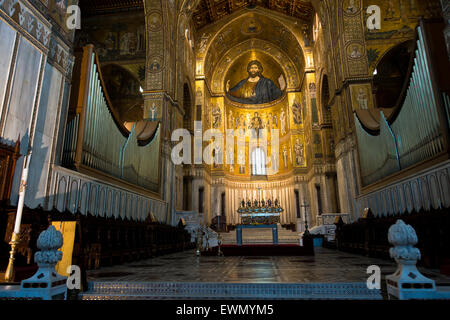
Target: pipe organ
column 383, row 156
column 96, row 139
column 416, row 133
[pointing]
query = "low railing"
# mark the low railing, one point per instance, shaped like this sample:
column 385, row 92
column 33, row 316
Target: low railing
column 427, row 189
column 78, row 192
column 326, row 225
column 368, row 236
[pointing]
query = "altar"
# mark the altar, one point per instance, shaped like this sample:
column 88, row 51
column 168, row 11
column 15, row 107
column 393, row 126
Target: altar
column 259, row 233
column 239, row 228
column 259, row 215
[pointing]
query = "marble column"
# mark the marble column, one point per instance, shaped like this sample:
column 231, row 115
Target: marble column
column 283, row 204
column 291, row 197
column 233, row 205
column 292, row 202
column 227, row 218
column 293, row 206
column 286, row 204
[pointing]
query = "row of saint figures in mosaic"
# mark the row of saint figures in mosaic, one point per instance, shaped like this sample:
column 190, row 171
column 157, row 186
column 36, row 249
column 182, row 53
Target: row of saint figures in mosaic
column 266, row 121
column 257, row 108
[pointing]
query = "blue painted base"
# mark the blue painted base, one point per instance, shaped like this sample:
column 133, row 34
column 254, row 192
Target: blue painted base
column 217, row 291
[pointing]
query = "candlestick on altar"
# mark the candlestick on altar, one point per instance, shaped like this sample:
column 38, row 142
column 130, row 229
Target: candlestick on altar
column 259, row 194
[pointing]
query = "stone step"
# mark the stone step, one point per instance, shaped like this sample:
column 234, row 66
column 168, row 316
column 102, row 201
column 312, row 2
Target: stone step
column 216, row 291
column 254, row 231
column 262, row 242
column 251, row 231
column 262, row 235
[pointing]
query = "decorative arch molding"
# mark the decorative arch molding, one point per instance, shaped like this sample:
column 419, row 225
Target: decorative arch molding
column 190, row 83
column 155, row 22
column 210, row 35
column 324, row 93
column 323, row 77
column 188, row 6
column 77, row 192
column 188, row 103
column 351, row 27
column 293, row 75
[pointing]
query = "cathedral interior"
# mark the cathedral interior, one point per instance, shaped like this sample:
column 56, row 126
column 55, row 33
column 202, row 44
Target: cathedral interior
column 130, row 125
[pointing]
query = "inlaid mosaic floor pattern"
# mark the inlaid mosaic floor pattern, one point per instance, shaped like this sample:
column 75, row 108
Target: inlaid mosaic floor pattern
column 327, row 266
column 233, row 291
column 328, row 275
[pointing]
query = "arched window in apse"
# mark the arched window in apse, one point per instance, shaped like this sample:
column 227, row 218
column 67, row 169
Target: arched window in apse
column 259, row 162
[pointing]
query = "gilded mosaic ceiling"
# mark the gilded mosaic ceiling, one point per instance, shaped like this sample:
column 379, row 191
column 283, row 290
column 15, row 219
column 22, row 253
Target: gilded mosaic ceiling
column 269, row 34
column 209, row 11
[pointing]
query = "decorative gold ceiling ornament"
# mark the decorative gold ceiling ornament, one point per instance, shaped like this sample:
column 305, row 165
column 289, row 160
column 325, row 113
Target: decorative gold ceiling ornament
column 233, row 65
column 271, row 22
column 251, row 27
column 188, row 6
column 154, row 21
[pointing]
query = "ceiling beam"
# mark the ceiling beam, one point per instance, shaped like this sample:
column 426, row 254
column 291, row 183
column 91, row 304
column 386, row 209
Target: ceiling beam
column 230, row 6
column 292, row 8
column 300, row 9
column 212, row 13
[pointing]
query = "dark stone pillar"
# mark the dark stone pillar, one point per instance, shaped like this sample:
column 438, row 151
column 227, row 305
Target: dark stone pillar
column 446, row 14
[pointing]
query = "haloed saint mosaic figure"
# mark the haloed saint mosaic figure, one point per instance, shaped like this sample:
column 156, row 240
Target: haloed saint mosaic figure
column 256, row 89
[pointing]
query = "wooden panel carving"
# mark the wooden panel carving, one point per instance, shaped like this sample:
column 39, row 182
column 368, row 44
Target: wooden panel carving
column 8, row 157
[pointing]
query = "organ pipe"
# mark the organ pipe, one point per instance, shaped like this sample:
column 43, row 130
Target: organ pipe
column 415, row 134
column 96, row 139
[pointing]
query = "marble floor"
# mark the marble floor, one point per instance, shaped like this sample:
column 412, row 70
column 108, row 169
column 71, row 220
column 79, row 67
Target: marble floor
column 327, row 266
